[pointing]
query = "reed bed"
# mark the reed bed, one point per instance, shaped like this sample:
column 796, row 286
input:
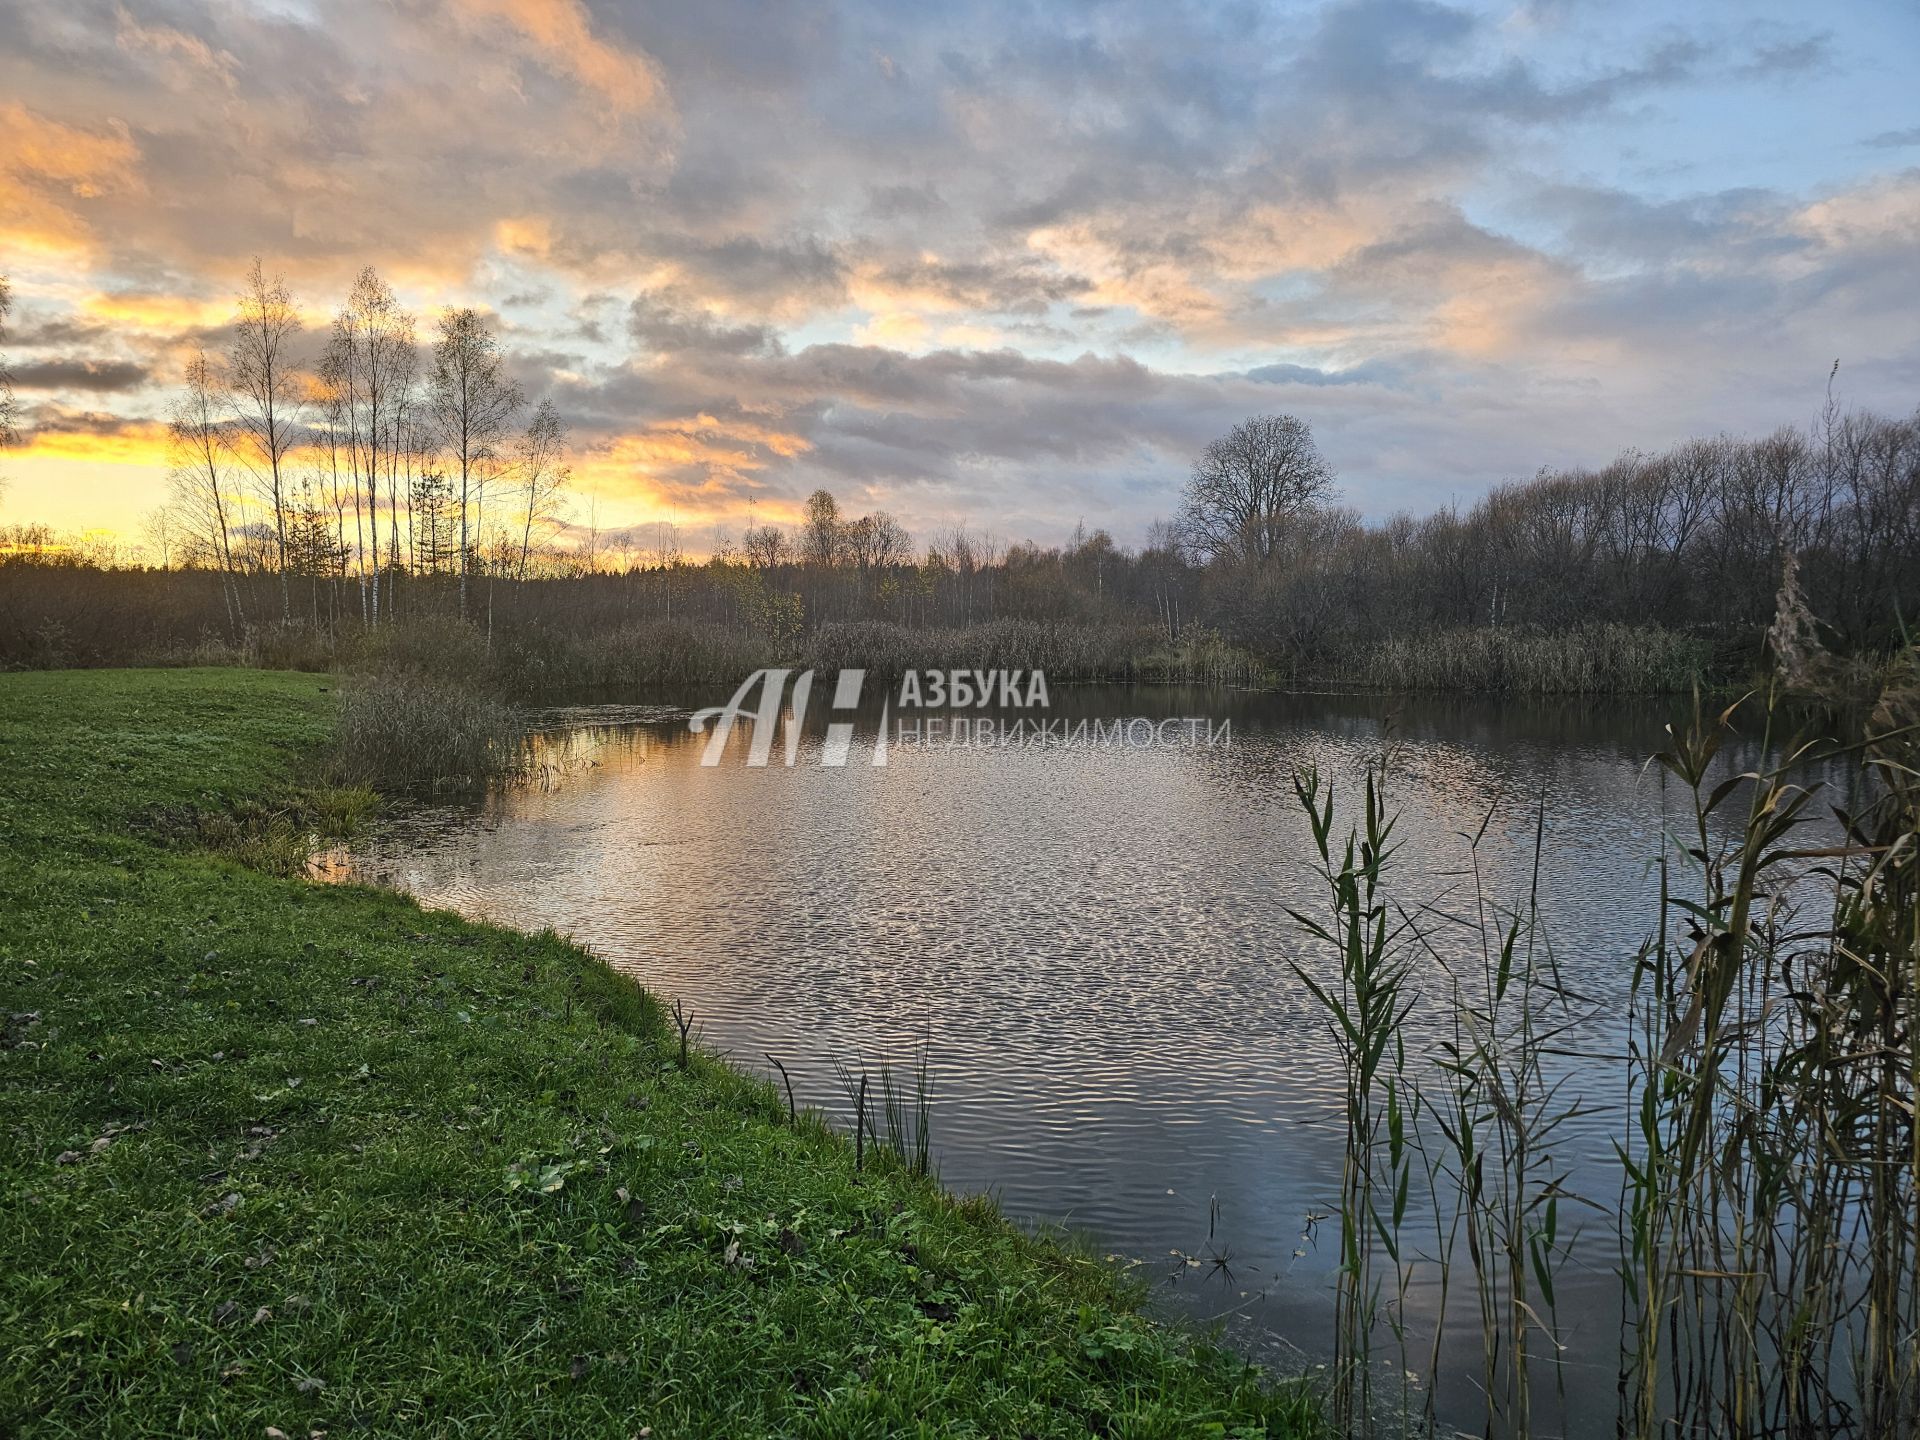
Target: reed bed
column 409, row 732
column 1772, row 1174
column 1470, row 1133
column 1770, row 1160
column 1072, row 652
column 1585, row 660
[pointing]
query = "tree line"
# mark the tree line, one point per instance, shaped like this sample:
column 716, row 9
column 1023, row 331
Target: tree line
column 392, row 477
column 1692, row 538
column 1695, row 537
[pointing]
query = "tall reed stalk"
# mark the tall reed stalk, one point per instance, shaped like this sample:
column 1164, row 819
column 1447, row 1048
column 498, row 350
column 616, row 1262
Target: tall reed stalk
column 1496, row 1179
column 1366, row 1009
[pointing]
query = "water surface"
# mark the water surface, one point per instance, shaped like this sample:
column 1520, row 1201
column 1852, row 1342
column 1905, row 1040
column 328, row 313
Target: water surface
column 1090, row 945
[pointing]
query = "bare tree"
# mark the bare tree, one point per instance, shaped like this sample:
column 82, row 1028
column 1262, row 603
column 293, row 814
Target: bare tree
column 161, row 531
column 267, row 393
column 202, row 488
column 765, row 546
column 539, row 475
column 471, row 405
column 371, row 363
column 1250, row 485
column 665, row 553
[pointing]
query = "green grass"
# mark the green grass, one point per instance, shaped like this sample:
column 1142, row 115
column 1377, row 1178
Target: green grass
column 278, row 1154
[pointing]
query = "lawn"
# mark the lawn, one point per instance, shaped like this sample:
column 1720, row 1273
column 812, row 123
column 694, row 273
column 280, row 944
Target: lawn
column 288, row 1157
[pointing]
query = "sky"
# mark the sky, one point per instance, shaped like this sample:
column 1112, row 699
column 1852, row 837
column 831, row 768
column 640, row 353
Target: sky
column 1007, row 265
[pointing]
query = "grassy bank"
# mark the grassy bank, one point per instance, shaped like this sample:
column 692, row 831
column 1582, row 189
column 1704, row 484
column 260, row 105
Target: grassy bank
column 287, row 1155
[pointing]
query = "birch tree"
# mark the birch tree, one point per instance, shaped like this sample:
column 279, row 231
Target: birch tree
column 539, row 474
column 202, row 487
column 471, row 405
column 373, row 362
column 267, row 393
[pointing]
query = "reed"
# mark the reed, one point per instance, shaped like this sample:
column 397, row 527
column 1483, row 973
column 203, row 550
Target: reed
column 1495, row 1177
column 1366, row 1009
column 1772, row 1269
column 409, row 732
column 1583, row 660
column 1065, row 651
column 907, row 1115
column 1770, row 1160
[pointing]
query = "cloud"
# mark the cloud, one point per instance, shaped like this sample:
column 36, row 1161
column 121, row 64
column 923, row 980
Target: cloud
column 668, row 328
column 560, row 33
column 996, row 259
column 53, row 173
column 1802, row 56
column 63, row 433
column 1893, row 139
column 99, row 376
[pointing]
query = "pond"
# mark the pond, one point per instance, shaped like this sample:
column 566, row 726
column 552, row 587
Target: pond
column 1090, row 948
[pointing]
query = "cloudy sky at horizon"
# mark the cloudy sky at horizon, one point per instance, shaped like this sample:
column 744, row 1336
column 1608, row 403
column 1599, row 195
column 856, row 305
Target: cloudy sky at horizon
column 1007, row 264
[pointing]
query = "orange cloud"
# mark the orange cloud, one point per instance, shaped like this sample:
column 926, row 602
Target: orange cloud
column 191, row 59
column 47, row 166
column 695, row 467
column 1883, row 210
column 1162, row 288
column 562, row 37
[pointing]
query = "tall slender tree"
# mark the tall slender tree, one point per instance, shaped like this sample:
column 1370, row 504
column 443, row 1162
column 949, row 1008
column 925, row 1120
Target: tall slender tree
column 539, row 475
column 267, row 393
column 202, row 486
column 471, row 405
column 373, row 362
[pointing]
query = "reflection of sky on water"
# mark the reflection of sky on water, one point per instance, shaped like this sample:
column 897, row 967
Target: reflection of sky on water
column 1091, row 943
